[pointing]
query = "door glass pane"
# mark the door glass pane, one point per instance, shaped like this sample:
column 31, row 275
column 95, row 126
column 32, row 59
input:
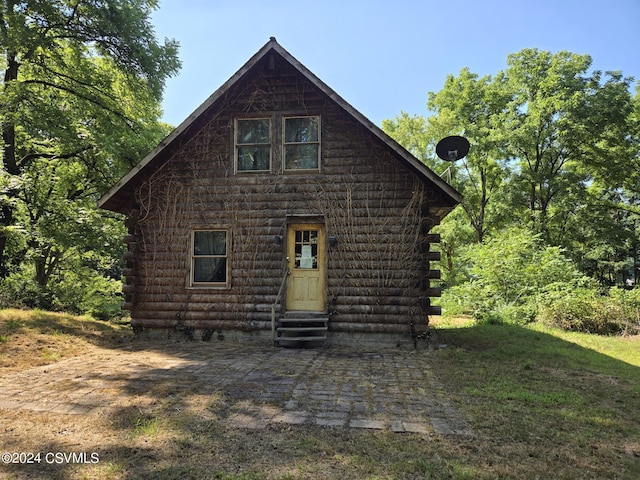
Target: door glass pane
column 306, row 249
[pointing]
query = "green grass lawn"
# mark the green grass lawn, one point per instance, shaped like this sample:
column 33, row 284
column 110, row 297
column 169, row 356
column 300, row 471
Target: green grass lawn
column 545, row 400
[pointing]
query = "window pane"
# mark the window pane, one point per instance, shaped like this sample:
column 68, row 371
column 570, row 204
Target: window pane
column 253, row 158
column 306, row 249
column 209, row 270
column 303, row 157
column 301, row 130
column 210, row 243
column 253, row 131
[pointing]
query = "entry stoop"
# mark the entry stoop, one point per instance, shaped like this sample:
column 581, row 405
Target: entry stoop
column 298, row 329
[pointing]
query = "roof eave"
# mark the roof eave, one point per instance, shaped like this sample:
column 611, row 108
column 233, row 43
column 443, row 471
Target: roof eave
column 377, row 131
column 107, row 200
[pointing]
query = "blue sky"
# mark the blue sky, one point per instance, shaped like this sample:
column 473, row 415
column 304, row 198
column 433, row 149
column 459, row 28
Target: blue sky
column 384, row 56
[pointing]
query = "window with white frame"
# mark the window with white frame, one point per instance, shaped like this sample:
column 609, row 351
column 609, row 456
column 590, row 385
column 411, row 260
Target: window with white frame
column 301, row 143
column 209, row 255
column 253, row 144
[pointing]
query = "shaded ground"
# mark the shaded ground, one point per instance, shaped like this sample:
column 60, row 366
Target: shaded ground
column 256, row 385
column 30, row 337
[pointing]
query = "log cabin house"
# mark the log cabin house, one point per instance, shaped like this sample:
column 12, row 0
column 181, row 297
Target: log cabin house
column 278, row 211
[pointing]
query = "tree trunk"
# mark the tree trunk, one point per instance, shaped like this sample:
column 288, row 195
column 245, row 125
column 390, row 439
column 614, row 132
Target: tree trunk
column 8, row 128
column 10, row 166
column 46, row 264
column 483, row 206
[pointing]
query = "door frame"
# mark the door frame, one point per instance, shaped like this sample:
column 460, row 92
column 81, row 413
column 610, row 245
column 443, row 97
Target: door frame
column 292, row 227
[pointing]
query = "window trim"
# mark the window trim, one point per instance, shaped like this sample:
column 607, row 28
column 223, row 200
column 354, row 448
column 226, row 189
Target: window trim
column 237, row 170
column 192, row 257
column 285, row 143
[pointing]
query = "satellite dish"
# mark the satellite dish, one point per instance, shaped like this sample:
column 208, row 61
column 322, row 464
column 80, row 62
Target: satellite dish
column 452, row 148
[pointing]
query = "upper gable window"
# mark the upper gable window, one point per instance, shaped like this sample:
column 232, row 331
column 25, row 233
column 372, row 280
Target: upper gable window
column 301, row 143
column 253, row 144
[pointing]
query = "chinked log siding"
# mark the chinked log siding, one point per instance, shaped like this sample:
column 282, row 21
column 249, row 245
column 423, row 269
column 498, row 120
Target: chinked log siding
column 376, row 208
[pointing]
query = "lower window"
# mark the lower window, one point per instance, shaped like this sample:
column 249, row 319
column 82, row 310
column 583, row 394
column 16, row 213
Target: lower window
column 209, row 258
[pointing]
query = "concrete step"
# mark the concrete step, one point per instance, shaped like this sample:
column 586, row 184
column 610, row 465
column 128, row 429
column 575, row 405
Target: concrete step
column 303, row 322
column 303, row 327
column 301, row 339
column 304, row 314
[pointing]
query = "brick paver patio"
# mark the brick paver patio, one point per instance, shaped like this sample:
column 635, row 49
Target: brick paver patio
column 331, row 387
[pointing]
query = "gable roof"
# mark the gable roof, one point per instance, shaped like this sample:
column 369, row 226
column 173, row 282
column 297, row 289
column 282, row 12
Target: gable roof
column 120, row 197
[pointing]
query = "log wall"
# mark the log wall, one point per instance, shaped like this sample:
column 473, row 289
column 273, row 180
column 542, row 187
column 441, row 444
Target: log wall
column 380, row 212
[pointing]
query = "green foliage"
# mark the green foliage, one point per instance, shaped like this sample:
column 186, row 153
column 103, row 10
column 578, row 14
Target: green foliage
column 21, row 290
column 89, row 293
column 83, row 291
column 556, row 149
column 79, row 106
column 586, row 310
column 412, row 133
column 515, row 278
column 554, row 146
column 507, row 274
column 567, row 130
column 469, row 106
column 455, row 233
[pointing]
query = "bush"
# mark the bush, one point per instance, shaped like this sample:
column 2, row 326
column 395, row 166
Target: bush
column 630, row 301
column 103, row 299
column 82, row 292
column 20, row 290
column 468, row 299
column 507, row 275
column 587, row 310
column 460, row 299
column 86, row 292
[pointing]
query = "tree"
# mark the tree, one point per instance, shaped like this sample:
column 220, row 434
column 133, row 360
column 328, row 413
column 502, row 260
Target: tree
column 412, row 133
column 602, row 238
column 469, row 106
column 554, row 146
column 563, row 128
column 79, row 105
